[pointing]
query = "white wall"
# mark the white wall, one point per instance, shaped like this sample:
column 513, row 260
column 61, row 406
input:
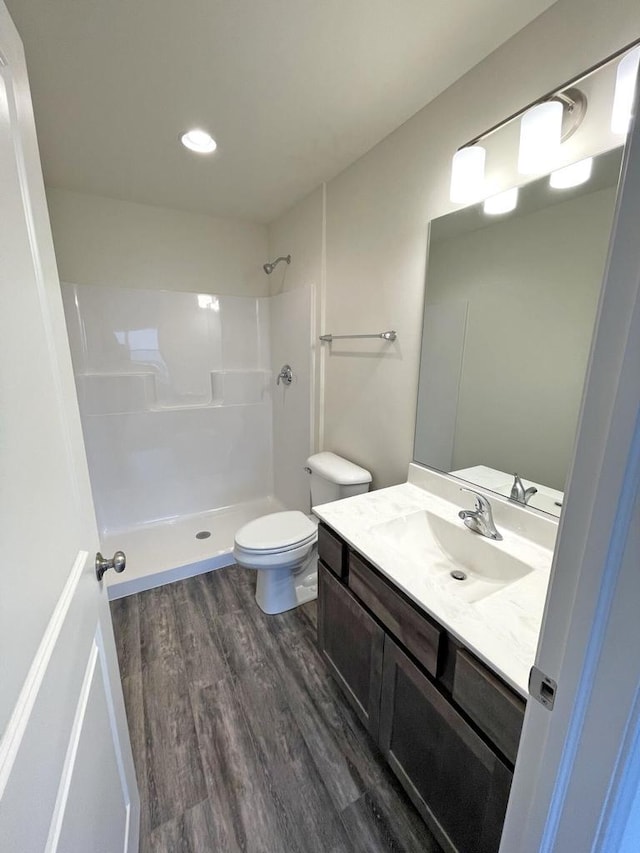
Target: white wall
column 121, row 244
column 296, row 303
column 298, row 233
column 378, row 209
column 290, row 313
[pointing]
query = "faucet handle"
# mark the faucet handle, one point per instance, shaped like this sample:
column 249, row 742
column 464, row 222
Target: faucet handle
column 286, row 374
column 519, row 493
column 517, row 489
column 480, row 520
column 482, row 504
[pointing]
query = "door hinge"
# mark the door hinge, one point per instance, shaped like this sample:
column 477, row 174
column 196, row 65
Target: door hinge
column 542, row 688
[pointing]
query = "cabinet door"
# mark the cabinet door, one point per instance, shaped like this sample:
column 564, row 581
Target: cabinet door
column 456, row 781
column 351, row 643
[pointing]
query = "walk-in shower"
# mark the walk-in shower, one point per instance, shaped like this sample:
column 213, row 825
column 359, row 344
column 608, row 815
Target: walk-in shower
column 183, row 422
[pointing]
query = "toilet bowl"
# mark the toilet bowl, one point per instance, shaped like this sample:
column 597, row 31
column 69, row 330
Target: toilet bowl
column 281, row 546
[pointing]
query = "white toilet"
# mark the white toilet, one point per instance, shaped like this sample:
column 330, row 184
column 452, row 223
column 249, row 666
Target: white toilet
column 281, row 546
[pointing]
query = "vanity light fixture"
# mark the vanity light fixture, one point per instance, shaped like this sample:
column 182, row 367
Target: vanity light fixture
column 572, row 176
column 546, row 123
column 467, row 174
column 199, row 141
column 540, row 137
column 502, row 202
column 625, row 90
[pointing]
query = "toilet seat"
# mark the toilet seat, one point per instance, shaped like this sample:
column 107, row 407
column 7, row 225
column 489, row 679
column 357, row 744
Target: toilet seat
column 269, row 552
column 276, row 533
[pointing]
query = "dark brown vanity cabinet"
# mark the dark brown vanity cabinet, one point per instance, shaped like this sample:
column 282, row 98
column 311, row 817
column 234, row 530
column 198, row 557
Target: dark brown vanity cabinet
column 448, row 727
column 351, row 643
column 456, row 781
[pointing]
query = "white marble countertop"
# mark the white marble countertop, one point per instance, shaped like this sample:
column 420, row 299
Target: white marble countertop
column 502, row 629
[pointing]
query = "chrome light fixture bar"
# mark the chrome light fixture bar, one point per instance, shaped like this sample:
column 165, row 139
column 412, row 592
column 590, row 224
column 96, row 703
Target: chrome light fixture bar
column 573, row 104
column 560, row 92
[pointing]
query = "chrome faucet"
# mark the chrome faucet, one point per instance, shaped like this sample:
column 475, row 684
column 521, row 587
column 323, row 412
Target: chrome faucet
column 480, row 519
column 519, row 493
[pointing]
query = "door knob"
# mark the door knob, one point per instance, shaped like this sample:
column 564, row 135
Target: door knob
column 117, row 562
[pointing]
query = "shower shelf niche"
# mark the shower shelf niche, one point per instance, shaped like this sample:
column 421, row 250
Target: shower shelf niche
column 133, row 393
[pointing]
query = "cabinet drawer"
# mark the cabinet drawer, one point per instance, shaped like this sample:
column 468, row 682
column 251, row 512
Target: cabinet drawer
column 493, row 706
column 332, row 551
column 413, row 629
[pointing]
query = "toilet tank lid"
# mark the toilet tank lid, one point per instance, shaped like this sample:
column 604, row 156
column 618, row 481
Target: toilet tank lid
column 337, row 470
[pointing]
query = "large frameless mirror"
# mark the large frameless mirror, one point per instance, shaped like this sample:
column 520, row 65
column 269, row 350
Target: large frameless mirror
column 510, row 306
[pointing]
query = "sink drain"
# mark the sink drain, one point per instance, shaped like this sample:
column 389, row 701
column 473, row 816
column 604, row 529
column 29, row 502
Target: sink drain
column 204, row 534
column 457, row 575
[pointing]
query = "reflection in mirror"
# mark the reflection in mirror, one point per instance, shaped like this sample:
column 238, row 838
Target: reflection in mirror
column 510, row 307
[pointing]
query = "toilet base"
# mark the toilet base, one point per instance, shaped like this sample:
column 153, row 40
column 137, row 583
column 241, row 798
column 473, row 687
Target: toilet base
column 279, row 590
column 307, row 583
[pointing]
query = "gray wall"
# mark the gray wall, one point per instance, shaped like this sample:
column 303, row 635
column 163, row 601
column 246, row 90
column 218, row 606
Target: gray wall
column 377, row 212
column 122, row 244
column 532, row 285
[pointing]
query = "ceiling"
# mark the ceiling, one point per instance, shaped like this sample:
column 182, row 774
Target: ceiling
column 292, row 90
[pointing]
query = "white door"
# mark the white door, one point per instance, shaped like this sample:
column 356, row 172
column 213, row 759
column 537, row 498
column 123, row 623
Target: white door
column 67, row 781
column 577, row 779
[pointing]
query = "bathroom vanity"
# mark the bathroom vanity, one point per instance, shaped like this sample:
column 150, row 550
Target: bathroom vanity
column 436, row 673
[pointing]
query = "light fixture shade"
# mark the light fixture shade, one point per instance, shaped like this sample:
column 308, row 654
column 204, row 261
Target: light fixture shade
column 199, row 141
column 572, row 176
column 626, row 76
column 540, row 136
column 502, row 203
column 467, row 174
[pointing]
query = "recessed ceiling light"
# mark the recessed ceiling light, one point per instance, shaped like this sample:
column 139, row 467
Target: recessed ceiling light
column 199, row 141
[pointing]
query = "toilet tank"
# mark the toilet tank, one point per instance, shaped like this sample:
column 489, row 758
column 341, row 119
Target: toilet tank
column 333, row 478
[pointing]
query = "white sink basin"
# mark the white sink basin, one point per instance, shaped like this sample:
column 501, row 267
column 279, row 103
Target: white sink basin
column 441, row 547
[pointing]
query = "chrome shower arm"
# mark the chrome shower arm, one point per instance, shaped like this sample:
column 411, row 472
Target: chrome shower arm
column 270, row 266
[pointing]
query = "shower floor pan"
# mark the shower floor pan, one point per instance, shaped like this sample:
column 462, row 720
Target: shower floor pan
column 167, row 551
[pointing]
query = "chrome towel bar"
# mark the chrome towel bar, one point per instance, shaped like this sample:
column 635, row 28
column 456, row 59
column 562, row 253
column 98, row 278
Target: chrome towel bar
column 387, row 336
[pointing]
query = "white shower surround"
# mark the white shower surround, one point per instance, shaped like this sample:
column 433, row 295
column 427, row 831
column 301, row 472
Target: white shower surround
column 176, row 398
column 292, row 342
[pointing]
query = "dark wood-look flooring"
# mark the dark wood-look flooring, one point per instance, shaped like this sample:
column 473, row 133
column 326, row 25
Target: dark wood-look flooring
column 241, row 740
